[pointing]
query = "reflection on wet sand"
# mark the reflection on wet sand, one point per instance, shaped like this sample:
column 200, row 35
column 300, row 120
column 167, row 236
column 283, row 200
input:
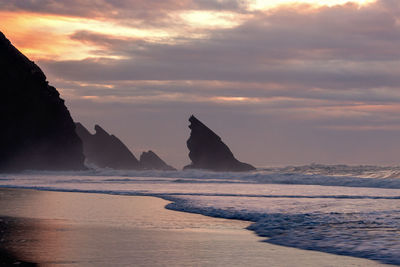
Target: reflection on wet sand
column 9, row 227
column 62, row 229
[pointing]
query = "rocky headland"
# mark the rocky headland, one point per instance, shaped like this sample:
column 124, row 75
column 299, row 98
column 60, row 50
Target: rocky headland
column 37, row 131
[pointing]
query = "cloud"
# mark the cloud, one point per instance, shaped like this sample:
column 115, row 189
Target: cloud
column 329, row 61
column 149, row 10
column 300, row 75
column 329, row 47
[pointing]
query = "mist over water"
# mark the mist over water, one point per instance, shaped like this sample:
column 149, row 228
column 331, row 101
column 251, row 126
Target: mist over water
column 348, row 210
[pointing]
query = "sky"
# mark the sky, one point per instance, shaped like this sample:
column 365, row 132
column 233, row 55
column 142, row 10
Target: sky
column 282, row 82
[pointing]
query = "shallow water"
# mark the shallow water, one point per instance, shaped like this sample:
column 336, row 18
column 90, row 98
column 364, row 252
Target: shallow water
column 75, row 229
column 337, row 209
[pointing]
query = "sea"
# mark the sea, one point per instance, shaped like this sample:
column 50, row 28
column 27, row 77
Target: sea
column 339, row 209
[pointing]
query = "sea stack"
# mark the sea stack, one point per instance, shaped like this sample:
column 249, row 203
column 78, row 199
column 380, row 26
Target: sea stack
column 37, row 131
column 105, row 150
column 207, row 151
column 150, row 161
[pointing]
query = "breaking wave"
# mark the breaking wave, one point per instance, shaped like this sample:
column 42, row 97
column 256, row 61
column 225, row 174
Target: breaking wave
column 341, row 209
column 313, row 174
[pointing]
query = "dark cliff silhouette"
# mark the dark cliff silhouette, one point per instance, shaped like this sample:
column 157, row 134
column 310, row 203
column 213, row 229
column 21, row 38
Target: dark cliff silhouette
column 105, row 150
column 150, row 161
column 37, row 131
column 207, row 151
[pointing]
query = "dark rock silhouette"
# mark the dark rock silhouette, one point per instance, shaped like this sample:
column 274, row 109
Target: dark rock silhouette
column 105, row 150
column 207, row 151
column 37, row 131
column 150, row 161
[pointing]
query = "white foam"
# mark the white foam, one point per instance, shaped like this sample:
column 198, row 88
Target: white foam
column 314, row 174
column 351, row 210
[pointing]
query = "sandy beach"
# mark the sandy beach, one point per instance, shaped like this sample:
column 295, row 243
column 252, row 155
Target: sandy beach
column 79, row 229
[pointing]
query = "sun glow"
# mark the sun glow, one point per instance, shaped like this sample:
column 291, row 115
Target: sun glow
column 47, row 36
column 31, row 32
column 209, row 19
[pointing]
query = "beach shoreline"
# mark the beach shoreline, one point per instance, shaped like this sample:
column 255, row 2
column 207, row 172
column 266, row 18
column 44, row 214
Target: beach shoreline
column 63, row 228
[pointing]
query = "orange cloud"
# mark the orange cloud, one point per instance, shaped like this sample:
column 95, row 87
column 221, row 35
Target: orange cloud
column 44, row 36
column 35, row 36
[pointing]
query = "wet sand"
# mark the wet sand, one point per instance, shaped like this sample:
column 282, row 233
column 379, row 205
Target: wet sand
column 77, row 229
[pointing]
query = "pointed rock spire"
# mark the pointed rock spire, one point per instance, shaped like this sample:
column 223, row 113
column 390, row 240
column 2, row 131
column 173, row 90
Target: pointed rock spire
column 207, row 151
column 105, row 150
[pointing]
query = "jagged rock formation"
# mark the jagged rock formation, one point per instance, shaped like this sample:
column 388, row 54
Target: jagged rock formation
column 37, row 131
column 150, row 161
column 207, row 151
column 105, row 150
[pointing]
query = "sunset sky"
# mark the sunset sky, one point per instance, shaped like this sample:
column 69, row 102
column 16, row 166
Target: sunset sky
column 282, row 82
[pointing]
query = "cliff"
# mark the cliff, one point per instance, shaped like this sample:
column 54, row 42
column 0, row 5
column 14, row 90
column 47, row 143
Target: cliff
column 207, row 151
column 37, row 131
column 105, row 150
column 150, row 161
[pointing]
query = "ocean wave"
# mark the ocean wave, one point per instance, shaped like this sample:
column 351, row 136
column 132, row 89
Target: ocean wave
column 373, row 235
column 358, row 222
column 364, row 171
column 314, row 174
column 341, row 209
